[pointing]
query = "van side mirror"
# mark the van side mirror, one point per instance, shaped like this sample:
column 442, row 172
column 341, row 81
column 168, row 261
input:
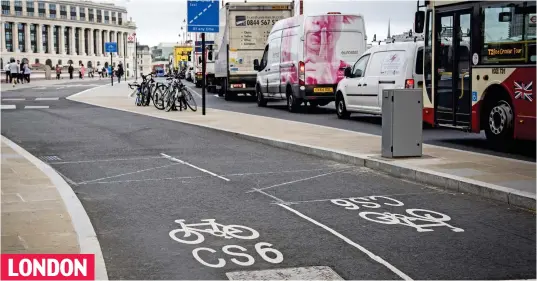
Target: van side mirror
column 504, row 17
column 419, row 21
column 348, row 73
column 199, row 60
column 210, row 55
column 256, row 64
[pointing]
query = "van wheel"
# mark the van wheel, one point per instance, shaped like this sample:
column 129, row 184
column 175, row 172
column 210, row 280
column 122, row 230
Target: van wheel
column 341, row 108
column 261, row 101
column 292, row 104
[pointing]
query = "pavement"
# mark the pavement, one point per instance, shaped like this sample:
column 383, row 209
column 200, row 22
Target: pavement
column 364, row 123
column 40, row 212
column 280, row 214
column 507, row 180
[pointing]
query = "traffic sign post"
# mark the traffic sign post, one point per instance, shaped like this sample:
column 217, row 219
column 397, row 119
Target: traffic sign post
column 111, row 47
column 203, row 16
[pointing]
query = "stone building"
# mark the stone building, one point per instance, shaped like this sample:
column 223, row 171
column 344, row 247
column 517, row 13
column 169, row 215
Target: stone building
column 65, row 31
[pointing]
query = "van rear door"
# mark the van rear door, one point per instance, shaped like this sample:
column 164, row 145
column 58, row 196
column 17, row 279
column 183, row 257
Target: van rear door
column 388, row 68
column 332, row 43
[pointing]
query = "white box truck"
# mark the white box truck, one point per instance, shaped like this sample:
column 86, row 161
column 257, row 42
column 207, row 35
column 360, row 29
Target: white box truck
column 197, row 62
column 244, row 28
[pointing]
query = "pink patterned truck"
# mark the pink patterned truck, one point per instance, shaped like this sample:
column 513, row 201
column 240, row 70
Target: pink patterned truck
column 305, row 57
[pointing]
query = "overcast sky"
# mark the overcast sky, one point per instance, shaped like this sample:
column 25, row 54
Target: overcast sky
column 161, row 20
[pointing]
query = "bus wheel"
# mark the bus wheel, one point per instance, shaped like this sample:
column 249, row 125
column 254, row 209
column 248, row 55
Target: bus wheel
column 499, row 126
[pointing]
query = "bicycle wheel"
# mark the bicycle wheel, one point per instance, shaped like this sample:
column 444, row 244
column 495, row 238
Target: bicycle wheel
column 147, row 95
column 198, row 238
column 428, row 215
column 240, row 232
column 384, row 218
column 158, row 97
column 170, row 101
column 189, row 99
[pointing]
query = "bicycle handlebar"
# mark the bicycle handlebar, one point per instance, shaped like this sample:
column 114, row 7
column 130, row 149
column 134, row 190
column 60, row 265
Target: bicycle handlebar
column 135, row 85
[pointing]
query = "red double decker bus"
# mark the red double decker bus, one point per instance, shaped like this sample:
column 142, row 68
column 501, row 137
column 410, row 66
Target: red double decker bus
column 479, row 67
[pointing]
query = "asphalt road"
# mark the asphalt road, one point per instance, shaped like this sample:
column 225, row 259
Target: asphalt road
column 137, row 175
column 326, row 115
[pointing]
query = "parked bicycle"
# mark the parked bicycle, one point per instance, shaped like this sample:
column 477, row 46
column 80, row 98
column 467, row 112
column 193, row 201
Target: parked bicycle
column 175, row 95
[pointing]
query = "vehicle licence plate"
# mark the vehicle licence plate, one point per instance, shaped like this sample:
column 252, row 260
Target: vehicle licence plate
column 323, row 90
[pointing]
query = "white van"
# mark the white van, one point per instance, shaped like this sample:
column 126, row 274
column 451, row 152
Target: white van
column 306, row 56
column 390, row 66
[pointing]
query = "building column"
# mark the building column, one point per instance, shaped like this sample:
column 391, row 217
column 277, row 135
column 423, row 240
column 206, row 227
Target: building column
column 27, row 41
column 90, row 51
column 50, row 42
column 105, row 34
column 3, row 37
column 120, row 43
column 39, row 38
column 61, row 35
column 97, row 44
column 82, row 42
column 15, row 33
column 72, row 44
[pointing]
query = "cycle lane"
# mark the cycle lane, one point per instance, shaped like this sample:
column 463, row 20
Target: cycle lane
column 134, row 213
column 466, row 237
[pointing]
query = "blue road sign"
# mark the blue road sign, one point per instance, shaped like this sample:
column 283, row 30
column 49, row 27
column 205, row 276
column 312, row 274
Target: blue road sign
column 110, row 47
column 202, row 16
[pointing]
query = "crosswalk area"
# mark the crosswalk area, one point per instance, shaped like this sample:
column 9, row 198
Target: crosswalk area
column 28, row 103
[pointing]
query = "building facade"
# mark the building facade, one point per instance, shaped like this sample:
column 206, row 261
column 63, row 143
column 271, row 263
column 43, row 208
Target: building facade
column 65, row 32
column 143, row 62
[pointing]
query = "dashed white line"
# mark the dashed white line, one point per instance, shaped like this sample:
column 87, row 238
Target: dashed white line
column 304, row 179
column 129, row 173
column 36, row 107
column 47, row 98
column 350, row 242
column 8, row 106
column 13, row 99
column 171, row 158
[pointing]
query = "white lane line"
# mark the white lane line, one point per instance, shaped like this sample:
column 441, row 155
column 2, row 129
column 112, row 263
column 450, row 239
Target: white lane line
column 13, row 99
column 280, row 201
column 129, row 173
column 304, row 179
column 107, row 160
column 400, row 194
column 350, row 242
column 47, row 98
column 68, row 180
column 36, row 106
column 278, row 172
column 188, row 87
column 193, row 166
column 140, row 180
column 8, row 106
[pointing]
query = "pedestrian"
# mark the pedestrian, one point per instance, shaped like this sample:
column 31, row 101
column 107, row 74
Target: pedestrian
column 27, row 72
column 71, row 69
column 82, row 71
column 100, row 72
column 119, row 72
column 47, row 72
column 8, row 73
column 19, row 73
column 14, row 70
column 90, row 72
column 58, row 72
column 105, row 72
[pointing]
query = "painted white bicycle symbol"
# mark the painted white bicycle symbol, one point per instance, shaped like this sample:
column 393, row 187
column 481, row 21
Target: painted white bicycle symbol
column 429, row 219
column 195, row 230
